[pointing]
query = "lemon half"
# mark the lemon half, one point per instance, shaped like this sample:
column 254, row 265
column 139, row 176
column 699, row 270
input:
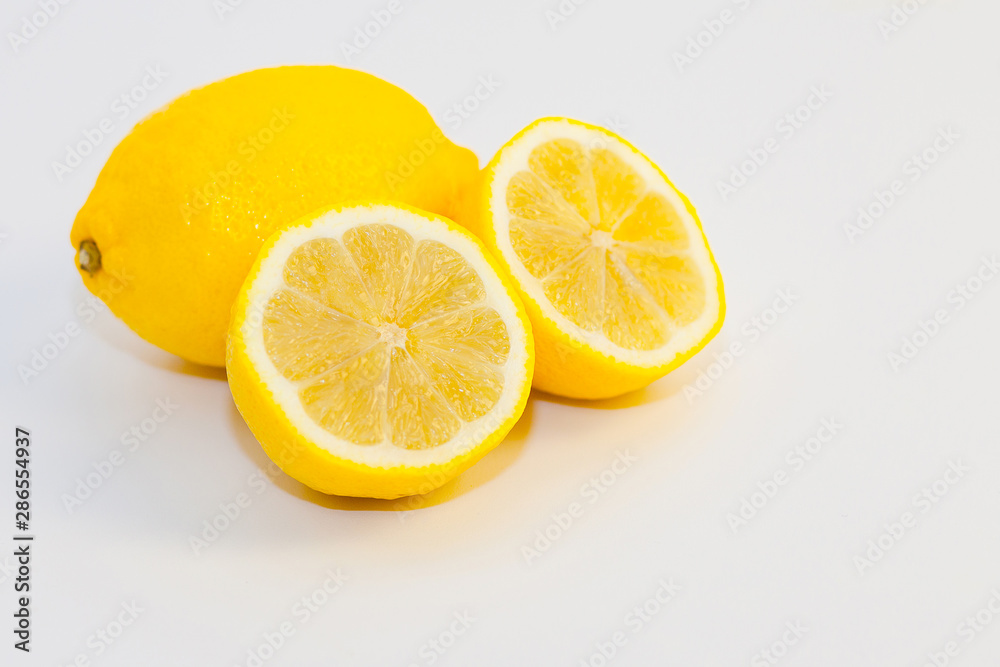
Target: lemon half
column 608, row 257
column 376, row 351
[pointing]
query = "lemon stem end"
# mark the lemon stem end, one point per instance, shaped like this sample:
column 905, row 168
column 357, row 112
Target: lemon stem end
column 90, row 257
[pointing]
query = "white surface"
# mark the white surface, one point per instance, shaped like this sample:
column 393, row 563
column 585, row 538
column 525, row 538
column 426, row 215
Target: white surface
column 666, row 514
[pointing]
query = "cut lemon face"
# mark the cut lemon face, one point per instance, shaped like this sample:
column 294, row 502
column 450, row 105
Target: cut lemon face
column 376, row 351
column 609, row 258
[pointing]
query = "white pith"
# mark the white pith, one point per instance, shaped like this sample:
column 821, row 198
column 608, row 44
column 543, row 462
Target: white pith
column 332, row 225
column 514, row 158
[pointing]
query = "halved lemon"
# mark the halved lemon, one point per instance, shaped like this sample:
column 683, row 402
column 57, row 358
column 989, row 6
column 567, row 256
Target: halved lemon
column 610, row 259
column 376, row 351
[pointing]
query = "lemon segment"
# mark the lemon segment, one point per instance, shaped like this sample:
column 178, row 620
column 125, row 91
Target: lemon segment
column 610, row 259
column 388, row 354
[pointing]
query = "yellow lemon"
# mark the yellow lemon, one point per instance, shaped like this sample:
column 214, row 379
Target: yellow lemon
column 608, row 257
column 186, row 200
column 376, row 351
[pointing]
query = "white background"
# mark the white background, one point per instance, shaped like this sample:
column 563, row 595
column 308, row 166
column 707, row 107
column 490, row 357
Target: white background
column 463, row 548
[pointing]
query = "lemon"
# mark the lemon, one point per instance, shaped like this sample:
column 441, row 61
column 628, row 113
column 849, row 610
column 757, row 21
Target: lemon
column 375, row 351
column 608, row 257
column 186, row 200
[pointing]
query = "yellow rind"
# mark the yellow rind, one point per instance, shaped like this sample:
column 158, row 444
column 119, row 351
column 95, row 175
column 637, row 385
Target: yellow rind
column 316, row 467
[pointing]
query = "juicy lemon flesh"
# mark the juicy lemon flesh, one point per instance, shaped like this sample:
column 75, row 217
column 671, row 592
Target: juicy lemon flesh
column 610, row 253
column 386, row 338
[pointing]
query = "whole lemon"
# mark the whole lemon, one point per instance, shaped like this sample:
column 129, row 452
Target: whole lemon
column 186, row 200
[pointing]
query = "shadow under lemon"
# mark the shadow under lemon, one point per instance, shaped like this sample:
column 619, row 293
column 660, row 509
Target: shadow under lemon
column 482, row 472
column 660, row 390
column 487, row 468
column 118, row 335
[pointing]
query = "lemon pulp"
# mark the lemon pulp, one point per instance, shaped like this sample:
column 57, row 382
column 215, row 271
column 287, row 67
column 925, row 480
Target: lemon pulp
column 385, row 338
column 611, row 255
